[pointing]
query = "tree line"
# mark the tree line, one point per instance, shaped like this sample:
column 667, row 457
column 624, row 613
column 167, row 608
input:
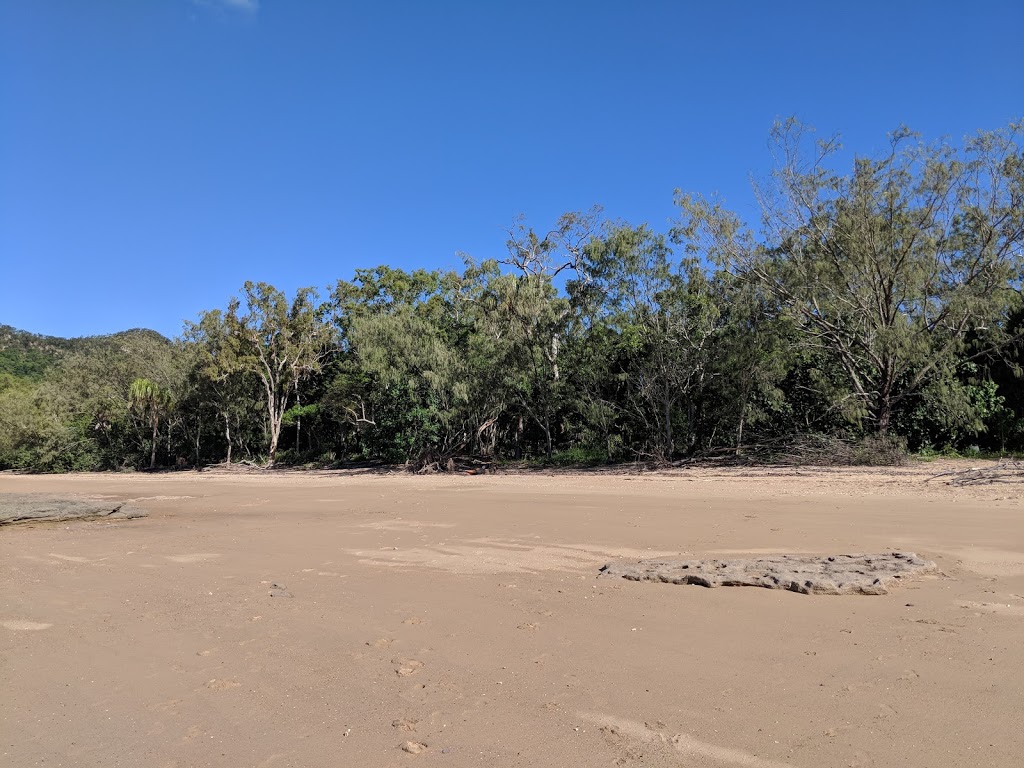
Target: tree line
column 877, row 306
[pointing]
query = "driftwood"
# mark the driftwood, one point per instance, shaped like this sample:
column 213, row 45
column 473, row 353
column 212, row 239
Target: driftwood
column 1004, row 472
column 465, row 465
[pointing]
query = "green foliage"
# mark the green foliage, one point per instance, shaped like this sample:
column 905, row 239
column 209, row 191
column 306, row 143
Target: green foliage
column 579, row 456
column 878, row 308
column 26, row 364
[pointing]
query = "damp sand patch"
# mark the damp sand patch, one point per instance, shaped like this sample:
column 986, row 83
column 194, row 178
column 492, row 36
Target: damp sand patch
column 826, row 575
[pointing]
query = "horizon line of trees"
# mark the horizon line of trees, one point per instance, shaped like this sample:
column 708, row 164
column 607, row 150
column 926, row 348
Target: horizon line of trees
column 883, row 303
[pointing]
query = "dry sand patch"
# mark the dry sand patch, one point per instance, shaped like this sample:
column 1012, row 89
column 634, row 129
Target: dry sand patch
column 464, row 616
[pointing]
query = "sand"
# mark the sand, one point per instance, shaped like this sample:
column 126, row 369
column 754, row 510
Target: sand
column 461, row 621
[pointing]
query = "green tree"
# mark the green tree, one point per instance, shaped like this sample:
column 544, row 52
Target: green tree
column 667, row 323
column 218, row 373
column 404, row 384
column 892, row 271
column 151, row 403
column 282, row 344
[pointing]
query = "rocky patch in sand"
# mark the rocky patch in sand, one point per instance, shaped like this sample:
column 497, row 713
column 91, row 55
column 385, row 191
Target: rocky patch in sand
column 835, row 575
column 37, row 508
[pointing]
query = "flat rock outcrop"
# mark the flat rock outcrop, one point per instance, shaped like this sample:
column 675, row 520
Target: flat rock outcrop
column 826, row 575
column 34, row 507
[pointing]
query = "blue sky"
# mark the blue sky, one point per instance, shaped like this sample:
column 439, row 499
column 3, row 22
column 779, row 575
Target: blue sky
column 155, row 154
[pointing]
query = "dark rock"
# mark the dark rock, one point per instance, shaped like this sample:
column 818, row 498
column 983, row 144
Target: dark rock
column 36, row 507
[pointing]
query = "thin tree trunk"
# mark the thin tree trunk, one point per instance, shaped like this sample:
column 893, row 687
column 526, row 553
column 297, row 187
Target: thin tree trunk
column 669, row 440
column 885, row 399
column 152, row 454
column 275, row 435
column 227, row 435
column 274, row 411
column 298, row 420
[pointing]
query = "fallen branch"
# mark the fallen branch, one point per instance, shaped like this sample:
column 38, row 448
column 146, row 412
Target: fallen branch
column 1004, row 472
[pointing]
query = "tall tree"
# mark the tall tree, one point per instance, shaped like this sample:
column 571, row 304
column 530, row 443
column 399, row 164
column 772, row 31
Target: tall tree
column 282, row 344
column 666, row 320
column 218, row 371
column 892, row 271
column 151, row 403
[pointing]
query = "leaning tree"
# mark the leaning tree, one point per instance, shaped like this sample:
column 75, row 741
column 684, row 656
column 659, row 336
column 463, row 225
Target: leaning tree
column 893, row 273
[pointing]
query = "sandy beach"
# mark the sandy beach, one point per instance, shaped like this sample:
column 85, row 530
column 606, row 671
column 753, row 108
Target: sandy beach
column 460, row 620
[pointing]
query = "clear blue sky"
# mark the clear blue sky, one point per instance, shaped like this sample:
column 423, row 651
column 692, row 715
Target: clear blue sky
column 155, row 154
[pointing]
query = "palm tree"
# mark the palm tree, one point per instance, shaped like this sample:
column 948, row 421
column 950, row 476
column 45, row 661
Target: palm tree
column 147, row 399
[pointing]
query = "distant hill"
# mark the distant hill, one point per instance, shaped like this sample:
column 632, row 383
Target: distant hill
column 30, row 355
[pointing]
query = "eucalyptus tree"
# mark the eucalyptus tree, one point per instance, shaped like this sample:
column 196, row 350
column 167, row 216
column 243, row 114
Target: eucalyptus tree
column 561, row 248
column 220, row 380
column 523, row 320
column 280, row 343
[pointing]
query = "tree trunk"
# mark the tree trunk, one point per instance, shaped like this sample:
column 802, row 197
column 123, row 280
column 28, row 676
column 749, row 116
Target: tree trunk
column 275, row 436
column 885, row 398
column 669, row 439
column 227, row 435
column 298, row 420
column 152, row 454
column 275, row 410
column 884, row 417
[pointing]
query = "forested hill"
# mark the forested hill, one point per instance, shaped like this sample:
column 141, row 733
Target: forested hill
column 29, row 355
column 879, row 310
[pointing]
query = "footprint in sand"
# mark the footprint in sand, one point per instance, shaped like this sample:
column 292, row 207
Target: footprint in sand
column 221, row 685
column 407, row 667
column 20, row 625
column 71, row 558
column 413, row 620
column 1005, row 609
column 171, row 706
column 405, row 724
column 198, row 557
